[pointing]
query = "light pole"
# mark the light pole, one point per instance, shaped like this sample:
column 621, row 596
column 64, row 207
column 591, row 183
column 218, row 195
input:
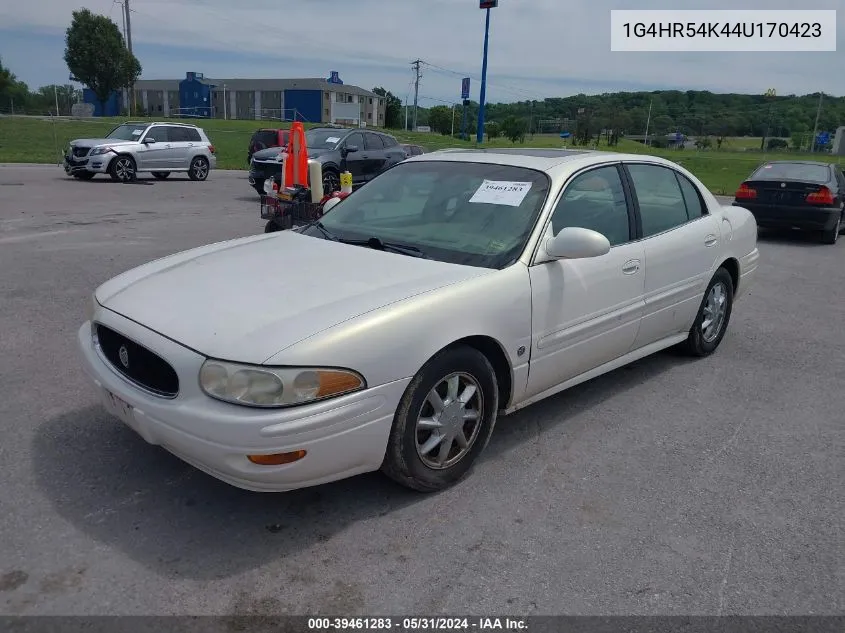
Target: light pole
column 486, row 5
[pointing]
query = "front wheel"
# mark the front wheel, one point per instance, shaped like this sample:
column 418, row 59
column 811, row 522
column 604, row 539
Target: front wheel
column 160, row 175
column 122, row 169
column 444, row 420
column 713, row 316
column 331, row 182
column 198, row 169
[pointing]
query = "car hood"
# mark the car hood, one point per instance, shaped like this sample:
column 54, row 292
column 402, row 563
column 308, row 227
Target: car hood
column 94, row 142
column 248, row 299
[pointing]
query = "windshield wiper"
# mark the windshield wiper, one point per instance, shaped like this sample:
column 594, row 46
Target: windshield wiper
column 326, row 233
column 380, row 245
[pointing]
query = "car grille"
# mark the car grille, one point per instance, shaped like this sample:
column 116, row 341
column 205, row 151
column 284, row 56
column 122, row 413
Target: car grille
column 80, row 152
column 142, row 366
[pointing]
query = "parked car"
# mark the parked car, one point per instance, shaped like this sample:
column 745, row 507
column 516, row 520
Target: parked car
column 805, row 195
column 453, row 288
column 132, row 148
column 266, row 138
column 412, row 150
column 364, row 153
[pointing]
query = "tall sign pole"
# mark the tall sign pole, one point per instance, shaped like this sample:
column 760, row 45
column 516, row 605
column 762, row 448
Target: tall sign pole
column 486, row 5
column 465, row 100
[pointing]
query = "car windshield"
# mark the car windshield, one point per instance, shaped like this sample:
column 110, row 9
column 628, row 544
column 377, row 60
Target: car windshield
column 474, row 214
column 127, row 132
column 792, row 171
column 323, row 139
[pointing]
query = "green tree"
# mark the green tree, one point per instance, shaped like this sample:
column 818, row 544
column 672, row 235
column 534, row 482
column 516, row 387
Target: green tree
column 440, row 119
column 97, row 56
column 393, row 109
column 514, row 129
column 493, row 129
column 14, row 94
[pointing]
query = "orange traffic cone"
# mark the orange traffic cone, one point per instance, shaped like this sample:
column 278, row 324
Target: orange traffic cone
column 296, row 164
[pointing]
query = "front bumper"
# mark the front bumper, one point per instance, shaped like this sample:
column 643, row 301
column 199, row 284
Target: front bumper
column 344, row 436
column 98, row 164
column 789, row 217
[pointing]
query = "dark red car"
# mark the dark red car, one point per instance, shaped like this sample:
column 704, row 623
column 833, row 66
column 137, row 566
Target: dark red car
column 266, row 138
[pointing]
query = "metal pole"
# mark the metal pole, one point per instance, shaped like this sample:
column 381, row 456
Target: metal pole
column 816, row 126
column 648, row 120
column 56, row 96
column 225, row 109
column 416, row 90
column 479, row 133
column 453, row 120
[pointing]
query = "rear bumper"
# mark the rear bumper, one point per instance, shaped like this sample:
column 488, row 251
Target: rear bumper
column 788, row 217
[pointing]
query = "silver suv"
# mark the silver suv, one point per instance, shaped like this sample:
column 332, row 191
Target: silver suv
column 130, row 148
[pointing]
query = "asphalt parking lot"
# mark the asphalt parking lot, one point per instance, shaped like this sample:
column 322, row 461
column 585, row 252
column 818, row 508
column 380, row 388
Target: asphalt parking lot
column 668, row 487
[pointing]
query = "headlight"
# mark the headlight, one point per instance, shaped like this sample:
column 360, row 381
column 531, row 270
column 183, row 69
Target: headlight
column 258, row 386
column 100, row 150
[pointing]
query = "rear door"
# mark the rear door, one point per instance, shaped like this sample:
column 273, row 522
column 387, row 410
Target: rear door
column 375, row 155
column 181, row 146
column 682, row 243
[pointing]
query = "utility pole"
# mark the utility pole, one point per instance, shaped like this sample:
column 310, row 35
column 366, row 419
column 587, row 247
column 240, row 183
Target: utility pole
column 770, row 94
column 416, row 65
column 127, row 13
column 486, row 6
column 816, row 126
column 648, row 121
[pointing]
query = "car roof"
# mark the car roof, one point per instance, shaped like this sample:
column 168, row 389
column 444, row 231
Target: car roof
column 819, row 163
column 542, row 159
column 170, row 123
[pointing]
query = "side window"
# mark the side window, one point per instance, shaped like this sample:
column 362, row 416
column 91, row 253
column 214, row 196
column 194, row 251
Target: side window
column 160, row 134
column 662, row 205
column 692, row 197
column 840, row 177
column 595, row 200
column 389, row 141
column 178, row 135
column 356, row 139
column 373, row 141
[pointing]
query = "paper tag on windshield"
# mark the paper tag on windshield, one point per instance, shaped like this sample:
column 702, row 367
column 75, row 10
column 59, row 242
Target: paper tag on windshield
column 137, row 132
column 332, row 139
column 501, row 192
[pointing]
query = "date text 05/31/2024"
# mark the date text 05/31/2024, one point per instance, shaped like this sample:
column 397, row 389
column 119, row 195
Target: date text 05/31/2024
column 418, row 624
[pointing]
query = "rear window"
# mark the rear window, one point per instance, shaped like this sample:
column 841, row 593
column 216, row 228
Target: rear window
column 389, row 141
column 264, row 138
column 792, row 171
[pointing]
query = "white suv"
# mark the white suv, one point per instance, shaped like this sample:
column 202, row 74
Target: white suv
column 130, row 148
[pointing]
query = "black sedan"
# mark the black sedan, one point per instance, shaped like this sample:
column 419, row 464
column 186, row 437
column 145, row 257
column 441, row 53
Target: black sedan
column 806, row 195
column 364, row 153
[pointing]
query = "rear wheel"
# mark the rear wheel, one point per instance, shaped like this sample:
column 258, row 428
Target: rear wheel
column 331, row 181
column 122, row 169
column 444, row 420
column 199, row 168
column 831, row 236
column 713, row 316
column 160, row 175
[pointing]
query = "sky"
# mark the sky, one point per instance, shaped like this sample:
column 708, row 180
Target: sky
column 538, row 48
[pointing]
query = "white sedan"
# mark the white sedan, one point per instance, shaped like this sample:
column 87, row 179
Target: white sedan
column 455, row 287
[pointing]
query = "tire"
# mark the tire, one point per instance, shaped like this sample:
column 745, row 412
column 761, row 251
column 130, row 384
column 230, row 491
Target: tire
column 122, row 169
column 160, row 175
column 406, row 460
column 199, row 168
column 84, row 175
column 703, row 340
column 272, row 226
column 331, row 181
column 831, row 236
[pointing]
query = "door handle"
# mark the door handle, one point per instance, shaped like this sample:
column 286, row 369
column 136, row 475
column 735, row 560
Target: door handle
column 711, row 240
column 631, row 267
column 167, row 146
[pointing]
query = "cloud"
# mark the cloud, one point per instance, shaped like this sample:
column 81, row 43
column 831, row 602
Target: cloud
column 538, row 48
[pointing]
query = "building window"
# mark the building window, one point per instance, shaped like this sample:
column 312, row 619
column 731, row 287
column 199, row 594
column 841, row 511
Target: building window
column 328, row 112
column 371, row 101
column 369, row 116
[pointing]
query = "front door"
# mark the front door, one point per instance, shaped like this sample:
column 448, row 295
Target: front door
column 356, row 162
column 376, row 156
column 155, row 156
column 586, row 312
column 681, row 242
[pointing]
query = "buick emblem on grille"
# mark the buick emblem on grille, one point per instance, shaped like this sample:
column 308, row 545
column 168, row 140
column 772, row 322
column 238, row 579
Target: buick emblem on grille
column 123, row 353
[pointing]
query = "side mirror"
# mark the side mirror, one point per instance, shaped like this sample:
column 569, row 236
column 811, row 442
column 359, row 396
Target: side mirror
column 350, row 149
column 577, row 243
column 149, row 141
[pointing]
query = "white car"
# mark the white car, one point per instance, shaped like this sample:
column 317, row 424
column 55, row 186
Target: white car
column 453, row 288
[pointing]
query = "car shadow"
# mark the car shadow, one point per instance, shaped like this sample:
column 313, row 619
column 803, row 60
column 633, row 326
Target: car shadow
column 107, row 181
column 168, row 516
column 790, row 236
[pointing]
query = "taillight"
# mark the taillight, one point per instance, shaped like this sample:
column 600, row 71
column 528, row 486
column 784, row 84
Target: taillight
column 211, row 148
column 822, row 196
column 745, row 192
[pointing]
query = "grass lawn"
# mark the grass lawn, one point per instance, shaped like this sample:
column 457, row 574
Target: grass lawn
column 40, row 140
